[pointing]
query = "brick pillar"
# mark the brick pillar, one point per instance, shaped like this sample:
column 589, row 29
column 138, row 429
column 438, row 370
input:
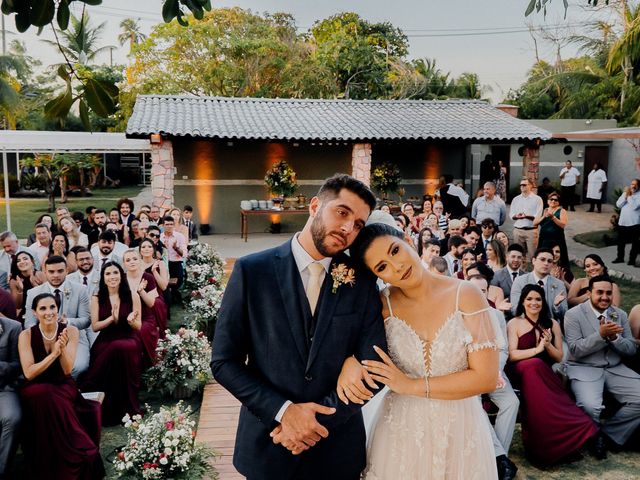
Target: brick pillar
column 162, row 173
column 531, row 164
column 361, row 162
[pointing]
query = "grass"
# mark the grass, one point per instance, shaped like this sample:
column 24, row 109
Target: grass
column 629, row 290
column 594, row 239
column 25, row 211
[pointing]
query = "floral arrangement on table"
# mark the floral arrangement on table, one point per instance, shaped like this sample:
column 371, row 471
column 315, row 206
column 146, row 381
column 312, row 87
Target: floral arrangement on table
column 182, row 363
column 204, row 266
column 162, row 445
column 281, row 179
column 386, row 178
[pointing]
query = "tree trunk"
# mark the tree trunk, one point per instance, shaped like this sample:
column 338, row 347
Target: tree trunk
column 83, row 187
column 63, row 189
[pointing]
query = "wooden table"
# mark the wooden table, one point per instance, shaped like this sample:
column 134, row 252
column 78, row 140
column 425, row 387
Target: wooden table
column 245, row 214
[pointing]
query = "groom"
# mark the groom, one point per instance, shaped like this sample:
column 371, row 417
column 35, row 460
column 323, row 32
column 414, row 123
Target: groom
column 289, row 318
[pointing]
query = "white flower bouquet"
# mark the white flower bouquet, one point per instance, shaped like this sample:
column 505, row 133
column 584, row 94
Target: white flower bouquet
column 204, row 266
column 162, row 445
column 204, row 304
column 182, row 361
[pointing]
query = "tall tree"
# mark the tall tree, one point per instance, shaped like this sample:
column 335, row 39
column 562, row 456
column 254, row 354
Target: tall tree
column 131, row 33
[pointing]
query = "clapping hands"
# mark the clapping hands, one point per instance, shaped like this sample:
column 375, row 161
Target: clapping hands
column 60, row 344
column 545, row 340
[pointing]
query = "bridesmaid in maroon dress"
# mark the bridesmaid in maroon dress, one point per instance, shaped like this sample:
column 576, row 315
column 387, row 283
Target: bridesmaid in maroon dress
column 154, row 310
column 553, row 427
column 62, row 429
column 116, row 356
column 153, row 265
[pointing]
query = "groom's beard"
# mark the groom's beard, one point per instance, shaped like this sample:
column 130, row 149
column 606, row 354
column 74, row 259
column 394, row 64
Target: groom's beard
column 319, row 234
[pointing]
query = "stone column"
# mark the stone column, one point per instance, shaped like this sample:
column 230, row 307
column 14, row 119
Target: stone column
column 162, row 173
column 531, row 163
column 361, row 162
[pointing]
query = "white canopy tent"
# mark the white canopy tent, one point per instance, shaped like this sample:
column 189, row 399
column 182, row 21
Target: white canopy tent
column 27, row 141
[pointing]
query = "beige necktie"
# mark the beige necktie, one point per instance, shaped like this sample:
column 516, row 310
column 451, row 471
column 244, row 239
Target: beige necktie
column 314, row 285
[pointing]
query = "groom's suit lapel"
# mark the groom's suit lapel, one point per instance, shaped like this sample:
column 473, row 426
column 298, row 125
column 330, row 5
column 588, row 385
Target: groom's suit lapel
column 324, row 312
column 295, row 301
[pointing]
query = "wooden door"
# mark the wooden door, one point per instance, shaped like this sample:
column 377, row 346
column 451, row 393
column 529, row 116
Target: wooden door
column 594, row 154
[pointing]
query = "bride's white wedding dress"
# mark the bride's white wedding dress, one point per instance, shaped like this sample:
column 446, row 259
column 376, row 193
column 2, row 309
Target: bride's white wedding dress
column 426, row 439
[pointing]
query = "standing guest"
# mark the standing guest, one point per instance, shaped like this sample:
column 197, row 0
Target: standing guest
column 505, row 277
column 596, row 185
column 443, row 217
column 487, row 169
column 503, row 396
column 545, row 190
column 10, row 247
column 63, row 438
column 73, row 233
column 501, row 181
column 414, row 220
column 100, row 219
column 178, row 225
column 569, row 178
column 430, row 250
column 154, row 215
column 455, row 199
column 40, row 248
column 10, row 412
column 598, row 336
column 489, row 206
column 552, row 223
column 427, row 207
column 48, row 221
column 24, row 277
column 104, row 251
column 89, row 226
column 629, row 222
column 86, row 275
column 456, row 246
column 153, row 309
column 553, row 427
column 594, row 266
column 554, row 289
column 176, row 245
column 525, row 208
column 116, row 355
column 560, row 270
column 496, row 257
column 60, row 247
column 503, row 238
column 125, row 209
column 468, row 258
column 192, row 226
column 73, row 306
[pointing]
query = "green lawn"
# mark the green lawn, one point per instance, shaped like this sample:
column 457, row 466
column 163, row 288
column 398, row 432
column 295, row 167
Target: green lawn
column 25, row 211
column 629, row 291
column 595, row 239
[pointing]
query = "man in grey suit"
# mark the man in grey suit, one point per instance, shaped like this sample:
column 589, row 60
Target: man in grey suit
column 86, row 275
column 505, row 277
column 73, row 307
column 598, row 336
column 9, row 402
column 554, row 289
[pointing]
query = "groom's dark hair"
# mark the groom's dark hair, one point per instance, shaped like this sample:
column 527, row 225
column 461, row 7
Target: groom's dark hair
column 332, row 186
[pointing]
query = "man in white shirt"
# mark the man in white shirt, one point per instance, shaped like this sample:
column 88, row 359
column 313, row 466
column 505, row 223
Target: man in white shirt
column 629, row 222
column 524, row 209
column 489, row 206
column 596, row 184
column 40, row 248
column 569, row 178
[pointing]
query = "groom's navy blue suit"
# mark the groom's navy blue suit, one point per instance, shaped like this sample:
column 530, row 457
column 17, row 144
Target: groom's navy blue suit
column 263, row 354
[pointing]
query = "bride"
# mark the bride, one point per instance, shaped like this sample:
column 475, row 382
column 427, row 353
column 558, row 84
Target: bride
column 442, row 356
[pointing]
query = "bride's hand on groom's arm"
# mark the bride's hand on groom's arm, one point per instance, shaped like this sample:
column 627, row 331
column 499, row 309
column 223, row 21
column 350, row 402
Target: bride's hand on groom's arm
column 299, row 430
column 350, row 383
column 387, row 373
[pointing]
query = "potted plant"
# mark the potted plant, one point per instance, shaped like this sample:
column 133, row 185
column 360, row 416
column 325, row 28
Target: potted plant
column 281, row 180
column 386, row 178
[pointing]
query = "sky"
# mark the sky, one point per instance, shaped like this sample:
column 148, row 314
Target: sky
column 487, row 37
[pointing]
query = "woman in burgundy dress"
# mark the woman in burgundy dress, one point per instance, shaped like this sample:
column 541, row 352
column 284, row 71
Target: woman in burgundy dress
column 116, row 356
column 152, row 263
column 553, row 427
column 62, row 428
column 154, row 310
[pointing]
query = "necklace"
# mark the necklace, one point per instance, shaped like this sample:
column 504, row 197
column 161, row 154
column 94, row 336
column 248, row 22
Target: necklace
column 47, row 338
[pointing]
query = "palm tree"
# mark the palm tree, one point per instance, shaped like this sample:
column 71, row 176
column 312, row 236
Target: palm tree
column 79, row 41
column 130, row 33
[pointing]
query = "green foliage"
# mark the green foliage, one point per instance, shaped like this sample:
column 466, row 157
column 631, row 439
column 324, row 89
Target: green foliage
column 386, row 178
column 33, row 181
column 281, row 179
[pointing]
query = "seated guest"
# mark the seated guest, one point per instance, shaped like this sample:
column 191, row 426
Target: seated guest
column 468, row 258
column 137, row 232
column 503, row 238
column 60, row 247
column 154, row 265
column 40, row 248
column 24, row 276
column 594, row 267
column 153, row 308
column 496, row 257
column 561, row 271
column 554, row 289
column 414, row 220
column 73, row 302
column 45, row 219
column 10, row 247
column 9, row 402
column 503, row 396
column 455, row 246
column 62, row 438
column 116, row 355
column 504, row 277
column 553, row 427
column 86, row 275
column 454, row 228
column 7, row 305
column 598, row 336
column 634, row 324
column 105, row 249
column 488, row 228
column 443, row 217
column 153, row 233
column 472, row 235
column 495, row 296
column 121, row 230
column 423, row 238
column 429, row 251
column 69, row 227
column 431, row 221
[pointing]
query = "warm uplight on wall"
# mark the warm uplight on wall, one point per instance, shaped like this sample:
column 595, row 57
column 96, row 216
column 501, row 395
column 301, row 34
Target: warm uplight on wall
column 432, row 159
column 204, row 155
column 156, row 138
column 275, row 153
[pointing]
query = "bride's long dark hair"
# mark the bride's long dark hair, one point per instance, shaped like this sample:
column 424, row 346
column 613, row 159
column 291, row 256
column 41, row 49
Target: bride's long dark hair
column 544, row 319
column 366, row 237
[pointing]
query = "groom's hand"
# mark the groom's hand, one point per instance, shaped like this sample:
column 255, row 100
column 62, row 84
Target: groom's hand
column 299, row 429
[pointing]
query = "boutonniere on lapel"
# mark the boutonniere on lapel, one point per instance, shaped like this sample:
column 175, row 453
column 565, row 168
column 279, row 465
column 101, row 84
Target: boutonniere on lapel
column 67, row 293
column 614, row 316
column 341, row 275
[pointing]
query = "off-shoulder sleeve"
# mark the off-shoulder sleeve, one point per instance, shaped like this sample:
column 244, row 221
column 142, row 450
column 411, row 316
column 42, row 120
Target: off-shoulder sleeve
column 484, row 331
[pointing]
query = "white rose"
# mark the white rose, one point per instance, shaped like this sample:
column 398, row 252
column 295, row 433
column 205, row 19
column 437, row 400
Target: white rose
column 164, row 461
